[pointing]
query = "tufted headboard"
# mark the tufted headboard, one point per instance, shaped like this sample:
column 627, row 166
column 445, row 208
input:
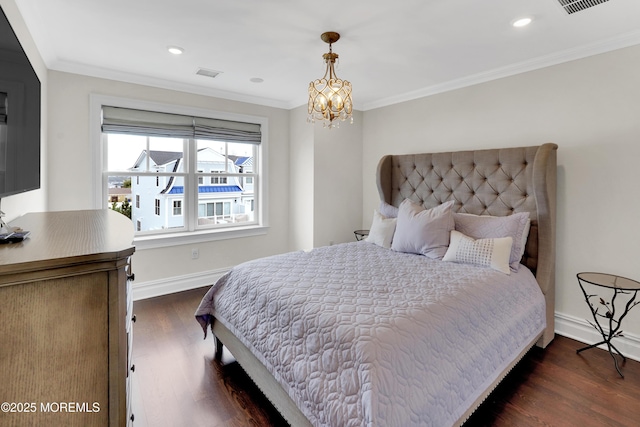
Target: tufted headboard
column 495, row 182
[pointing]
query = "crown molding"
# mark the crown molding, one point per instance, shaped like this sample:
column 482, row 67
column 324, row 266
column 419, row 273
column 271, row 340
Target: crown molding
column 603, row 46
column 104, row 73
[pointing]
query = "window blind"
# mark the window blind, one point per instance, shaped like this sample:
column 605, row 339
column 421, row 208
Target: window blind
column 140, row 122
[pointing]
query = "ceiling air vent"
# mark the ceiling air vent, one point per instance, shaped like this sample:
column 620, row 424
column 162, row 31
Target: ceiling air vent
column 573, row 6
column 207, row 73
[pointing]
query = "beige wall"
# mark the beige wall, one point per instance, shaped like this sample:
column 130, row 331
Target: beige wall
column 315, row 181
column 326, row 181
column 337, row 175
column 71, row 180
column 301, row 184
column 322, row 185
column 32, row 201
column 591, row 109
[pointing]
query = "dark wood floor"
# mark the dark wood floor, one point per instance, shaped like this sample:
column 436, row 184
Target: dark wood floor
column 177, row 381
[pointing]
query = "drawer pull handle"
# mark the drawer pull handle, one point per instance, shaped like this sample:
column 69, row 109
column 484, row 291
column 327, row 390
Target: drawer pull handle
column 132, row 417
column 133, row 318
column 133, row 368
column 131, row 277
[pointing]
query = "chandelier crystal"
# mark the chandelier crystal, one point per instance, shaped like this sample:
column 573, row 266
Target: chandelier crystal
column 330, row 97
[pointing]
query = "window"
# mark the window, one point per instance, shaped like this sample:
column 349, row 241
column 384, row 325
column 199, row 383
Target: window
column 218, row 179
column 215, row 211
column 177, row 207
column 195, row 166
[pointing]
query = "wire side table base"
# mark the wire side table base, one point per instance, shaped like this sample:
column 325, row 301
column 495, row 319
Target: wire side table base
column 603, row 311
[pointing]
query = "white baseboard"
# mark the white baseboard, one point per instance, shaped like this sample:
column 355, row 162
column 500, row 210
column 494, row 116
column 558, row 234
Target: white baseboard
column 580, row 330
column 156, row 288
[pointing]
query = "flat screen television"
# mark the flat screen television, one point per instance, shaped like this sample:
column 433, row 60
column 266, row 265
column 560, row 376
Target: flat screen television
column 19, row 116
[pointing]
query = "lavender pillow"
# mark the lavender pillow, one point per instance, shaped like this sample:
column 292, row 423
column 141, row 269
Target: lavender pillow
column 487, row 227
column 387, row 210
column 422, row 231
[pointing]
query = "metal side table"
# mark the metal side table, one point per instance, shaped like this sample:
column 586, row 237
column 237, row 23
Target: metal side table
column 607, row 319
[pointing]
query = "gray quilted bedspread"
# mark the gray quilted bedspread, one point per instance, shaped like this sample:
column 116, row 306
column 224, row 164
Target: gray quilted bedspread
column 359, row 335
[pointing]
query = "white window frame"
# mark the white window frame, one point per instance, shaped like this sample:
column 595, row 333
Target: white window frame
column 100, row 186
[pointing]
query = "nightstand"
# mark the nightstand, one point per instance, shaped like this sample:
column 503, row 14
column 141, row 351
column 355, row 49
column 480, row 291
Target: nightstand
column 361, row 234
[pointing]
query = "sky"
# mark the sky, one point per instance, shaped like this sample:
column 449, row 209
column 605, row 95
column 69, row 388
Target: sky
column 124, row 150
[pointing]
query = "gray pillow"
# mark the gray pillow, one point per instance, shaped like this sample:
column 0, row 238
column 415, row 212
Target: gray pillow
column 422, row 231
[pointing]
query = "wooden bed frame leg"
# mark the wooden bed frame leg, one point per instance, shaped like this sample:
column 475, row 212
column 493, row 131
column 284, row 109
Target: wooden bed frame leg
column 218, row 353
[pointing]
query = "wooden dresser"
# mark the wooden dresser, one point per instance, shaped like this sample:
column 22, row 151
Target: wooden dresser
column 65, row 320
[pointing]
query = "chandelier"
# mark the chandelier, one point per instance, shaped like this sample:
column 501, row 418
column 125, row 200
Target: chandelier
column 330, row 97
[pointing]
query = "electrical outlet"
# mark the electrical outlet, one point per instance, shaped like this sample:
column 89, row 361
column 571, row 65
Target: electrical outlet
column 195, row 253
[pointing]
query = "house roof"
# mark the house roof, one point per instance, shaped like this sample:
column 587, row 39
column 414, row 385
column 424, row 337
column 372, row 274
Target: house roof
column 113, row 191
column 179, row 189
column 241, row 160
column 164, row 157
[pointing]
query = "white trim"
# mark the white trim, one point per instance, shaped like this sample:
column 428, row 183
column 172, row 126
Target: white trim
column 189, row 237
column 625, row 40
column 156, row 288
column 127, row 77
column 618, row 42
column 96, row 101
column 580, row 330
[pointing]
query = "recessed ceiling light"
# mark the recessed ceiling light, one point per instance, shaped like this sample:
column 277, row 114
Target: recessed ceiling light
column 175, row 50
column 256, row 80
column 522, row 22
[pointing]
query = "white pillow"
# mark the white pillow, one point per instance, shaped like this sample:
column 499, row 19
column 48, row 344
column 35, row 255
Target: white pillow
column 382, row 229
column 492, row 253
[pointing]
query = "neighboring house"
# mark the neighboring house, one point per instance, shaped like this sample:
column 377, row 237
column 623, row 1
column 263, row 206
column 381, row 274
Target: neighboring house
column 158, row 200
column 245, row 165
column 119, row 194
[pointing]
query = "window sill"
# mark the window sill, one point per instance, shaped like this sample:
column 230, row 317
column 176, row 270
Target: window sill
column 186, row 238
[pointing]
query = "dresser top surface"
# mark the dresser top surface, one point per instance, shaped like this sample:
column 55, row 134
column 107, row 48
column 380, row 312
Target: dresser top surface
column 83, row 235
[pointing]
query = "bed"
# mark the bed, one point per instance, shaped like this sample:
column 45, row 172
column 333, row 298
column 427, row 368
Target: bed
column 401, row 328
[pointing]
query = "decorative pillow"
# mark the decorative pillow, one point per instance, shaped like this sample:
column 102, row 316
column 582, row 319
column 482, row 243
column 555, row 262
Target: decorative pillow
column 485, row 226
column 422, row 231
column 492, row 253
column 382, row 229
column 388, row 210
